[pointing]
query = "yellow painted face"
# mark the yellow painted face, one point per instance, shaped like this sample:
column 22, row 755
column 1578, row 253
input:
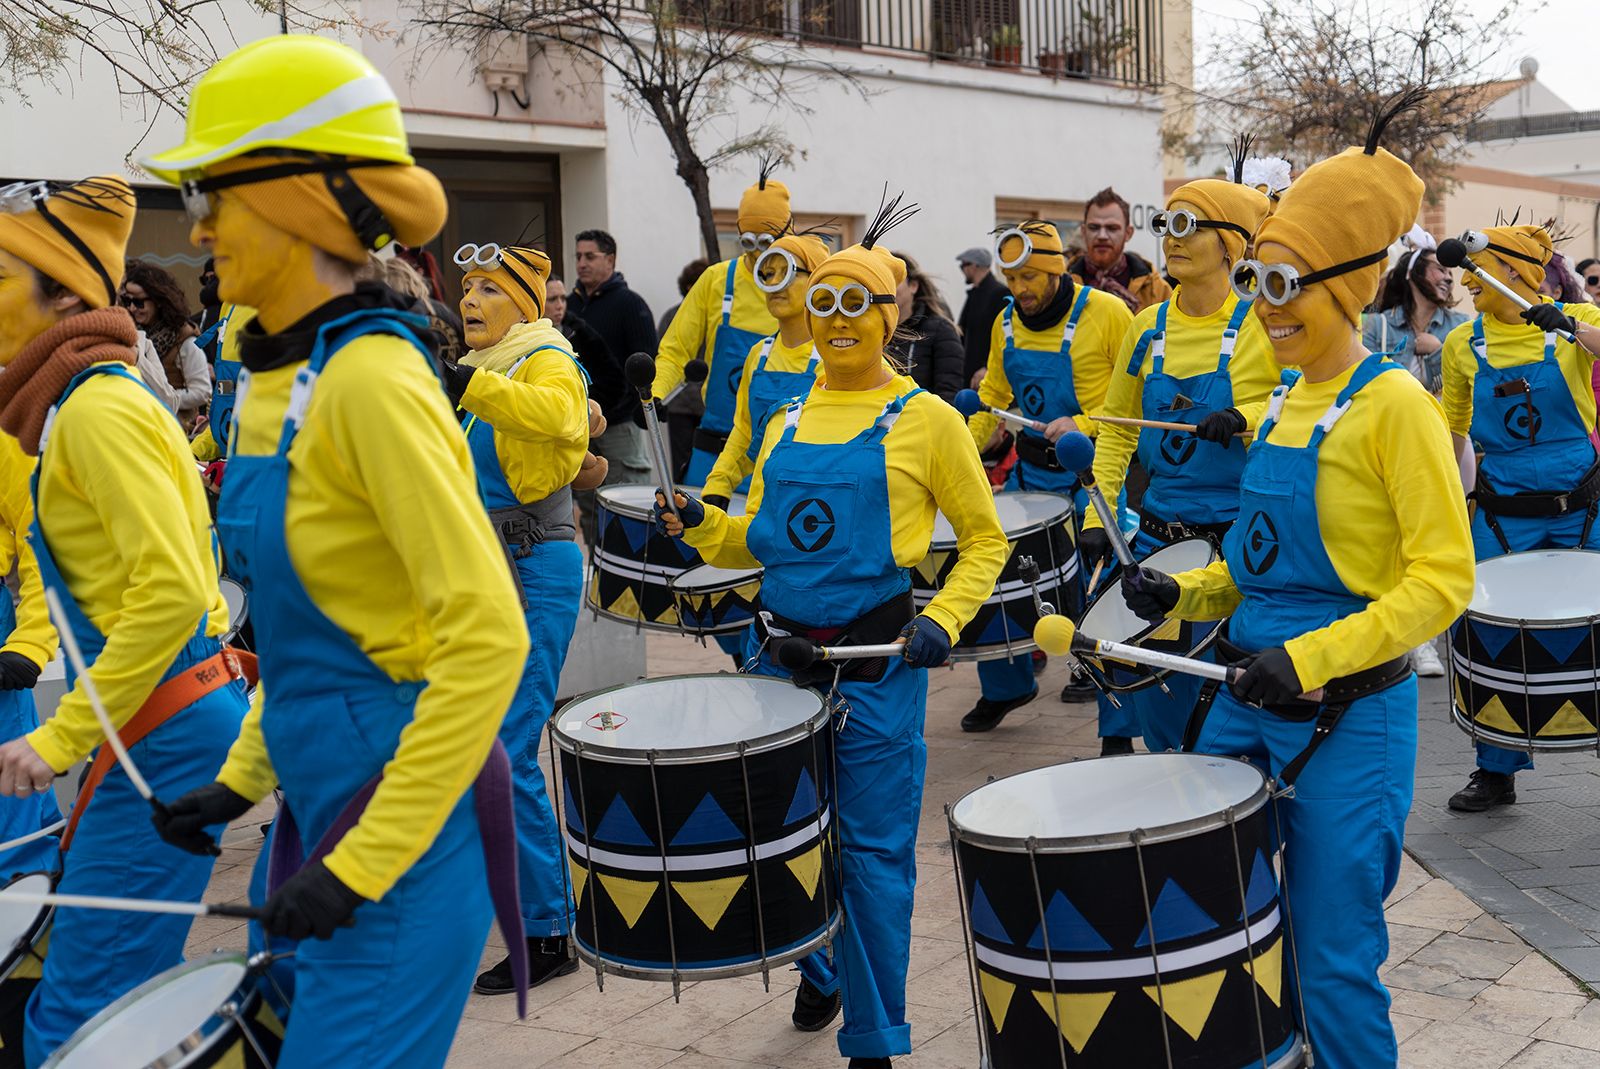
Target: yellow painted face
column 25, row 313
column 257, row 263
column 850, row 346
column 1198, row 255
column 790, row 301
column 1491, row 302
column 1309, row 328
column 487, row 313
column 1032, row 288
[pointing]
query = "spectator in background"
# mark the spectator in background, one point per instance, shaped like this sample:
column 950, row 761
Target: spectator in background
column 623, row 321
column 1561, row 283
column 159, row 309
column 1589, row 273
column 210, row 315
column 1106, row 264
column 1412, row 316
column 927, row 342
column 986, row 295
column 686, row 278
column 444, row 322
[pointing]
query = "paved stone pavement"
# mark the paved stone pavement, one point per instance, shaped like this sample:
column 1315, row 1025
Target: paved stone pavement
column 1468, row 993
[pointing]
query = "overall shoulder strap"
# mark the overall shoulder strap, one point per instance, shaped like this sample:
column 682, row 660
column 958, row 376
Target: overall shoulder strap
column 727, row 291
column 1369, row 369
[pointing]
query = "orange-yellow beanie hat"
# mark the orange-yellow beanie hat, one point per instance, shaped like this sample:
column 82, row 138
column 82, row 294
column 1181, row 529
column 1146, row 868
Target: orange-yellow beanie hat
column 872, row 265
column 1048, row 255
column 764, row 208
column 76, row 234
column 521, row 274
column 1526, row 248
column 1226, row 202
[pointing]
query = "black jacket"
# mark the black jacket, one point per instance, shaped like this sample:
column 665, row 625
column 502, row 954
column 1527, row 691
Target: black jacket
column 607, row 386
column 622, row 319
column 929, row 345
column 983, row 304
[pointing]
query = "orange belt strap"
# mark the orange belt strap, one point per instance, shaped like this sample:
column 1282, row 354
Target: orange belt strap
column 166, row 701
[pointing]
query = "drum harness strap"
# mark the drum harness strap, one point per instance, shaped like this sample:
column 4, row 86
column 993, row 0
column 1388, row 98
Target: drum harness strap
column 1038, row 451
column 521, row 527
column 1337, row 697
column 1173, row 531
column 710, row 441
column 1586, row 495
column 880, row 625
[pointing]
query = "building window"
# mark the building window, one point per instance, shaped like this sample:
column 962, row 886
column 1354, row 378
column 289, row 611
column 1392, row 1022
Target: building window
column 840, row 232
column 1067, row 215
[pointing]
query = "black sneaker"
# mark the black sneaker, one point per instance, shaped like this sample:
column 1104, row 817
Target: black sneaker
column 814, row 1011
column 547, row 959
column 870, row 1063
column 1078, row 689
column 987, row 714
column 1485, row 790
column 1115, row 745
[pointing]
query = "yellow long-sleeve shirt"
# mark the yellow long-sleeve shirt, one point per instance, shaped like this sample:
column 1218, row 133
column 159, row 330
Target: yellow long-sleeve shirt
column 540, row 412
column 372, row 509
column 932, row 467
column 125, row 517
column 699, row 318
column 1393, row 520
column 1511, row 344
column 1104, row 321
column 1193, row 346
column 34, row 636
column 734, row 463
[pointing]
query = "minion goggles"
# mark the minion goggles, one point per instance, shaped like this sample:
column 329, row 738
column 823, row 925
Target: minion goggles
column 852, row 300
column 756, row 242
column 491, row 256
column 1280, row 283
column 776, row 259
column 1027, row 248
column 1182, row 223
column 1477, row 241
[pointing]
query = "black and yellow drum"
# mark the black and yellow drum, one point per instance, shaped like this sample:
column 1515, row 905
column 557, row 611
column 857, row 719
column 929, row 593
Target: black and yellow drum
column 716, row 601
column 1108, row 617
column 632, row 565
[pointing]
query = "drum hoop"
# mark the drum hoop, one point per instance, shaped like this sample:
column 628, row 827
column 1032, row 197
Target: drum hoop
column 41, row 923
column 643, row 515
column 720, row 972
column 746, row 577
column 1083, row 844
column 186, row 1056
column 1021, row 532
column 1107, row 590
column 1531, row 625
column 688, row 755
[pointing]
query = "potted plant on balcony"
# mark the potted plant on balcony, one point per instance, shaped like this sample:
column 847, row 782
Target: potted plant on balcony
column 1005, row 46
column 1096, row 43
column 1053, row 62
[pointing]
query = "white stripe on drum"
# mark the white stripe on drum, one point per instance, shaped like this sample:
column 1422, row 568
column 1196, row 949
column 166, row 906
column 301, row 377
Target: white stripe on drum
column 722, row 859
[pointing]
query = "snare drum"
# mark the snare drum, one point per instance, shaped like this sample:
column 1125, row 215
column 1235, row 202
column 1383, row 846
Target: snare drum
column 238, row 607
column 24, row 938
column 1037, row 526
column 203, row 1013
column 716, row 601
column 1125, row 912
column 1525, row 672
column 698, row 825
column 632, row 564
column 1110, row 618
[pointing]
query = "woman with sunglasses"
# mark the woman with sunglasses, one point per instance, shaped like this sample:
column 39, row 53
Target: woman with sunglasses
column 152, row 296
column 1198, row 358
column 780, row 366
column 390, row 632
column 524, row 402
column 841, row 507
column 1519, row 391
column 1351, row 546
column 122, row 535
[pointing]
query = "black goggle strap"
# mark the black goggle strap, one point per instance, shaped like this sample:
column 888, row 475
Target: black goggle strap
column 512, row 254
column 365, row 217
column 1524, row 257
column 79, row 247
column 277, row 171
column 1345, row 268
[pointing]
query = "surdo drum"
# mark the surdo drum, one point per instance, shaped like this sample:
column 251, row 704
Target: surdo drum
column 1525, row 672
column 1124, row 912
column 1037, row 526
column 24, row 937
column 698, row 819
column 716, row 601
column 1109, row 617
column 632, row 565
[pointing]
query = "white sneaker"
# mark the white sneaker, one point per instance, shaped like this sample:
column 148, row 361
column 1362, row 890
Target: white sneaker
column 1425, row 660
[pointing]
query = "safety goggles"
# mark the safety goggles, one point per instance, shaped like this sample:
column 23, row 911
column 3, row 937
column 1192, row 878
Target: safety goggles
column 20, row 198
column 1026, row 248
column 1182, row 223
column 469, row 256
column 756, row 242
column 852, row 300
column 775, row 270
column 1280, row 283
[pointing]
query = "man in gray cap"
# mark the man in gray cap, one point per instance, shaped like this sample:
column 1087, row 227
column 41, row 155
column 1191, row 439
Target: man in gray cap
column 985, row 295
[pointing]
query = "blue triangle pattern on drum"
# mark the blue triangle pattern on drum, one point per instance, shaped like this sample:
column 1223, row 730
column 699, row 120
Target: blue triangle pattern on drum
column 1263, row 888
column 1175, row 916
column 804, row 805
column 1493, row 638
column 574, row 814
column 1068, row 929
column 620, row 826
column 1559, row 642
column 984, row 920
column 707, row 824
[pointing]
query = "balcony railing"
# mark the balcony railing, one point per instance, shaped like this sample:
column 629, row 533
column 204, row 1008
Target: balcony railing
column 1571, row 122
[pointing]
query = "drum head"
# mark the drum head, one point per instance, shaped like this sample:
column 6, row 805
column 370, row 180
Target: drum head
column 18, row 920
column 1018, row 512
column 1545, row 585
column 639, row 500
column 152, row 1020
column 686, row 713
column 1108, row 798
column 238, row 604
column 1110, row 618
column 710, row 577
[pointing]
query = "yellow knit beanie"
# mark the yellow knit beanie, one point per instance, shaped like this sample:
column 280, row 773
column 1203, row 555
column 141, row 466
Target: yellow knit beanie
column 521, row 275
column 1048, row 255
column 77, row 234
column 876, row 268
column 1526, row 248
column 764, row 208
column 807, row 249
column 1226, row 202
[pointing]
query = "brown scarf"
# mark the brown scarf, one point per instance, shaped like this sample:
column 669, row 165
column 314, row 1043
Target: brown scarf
column 35, row 379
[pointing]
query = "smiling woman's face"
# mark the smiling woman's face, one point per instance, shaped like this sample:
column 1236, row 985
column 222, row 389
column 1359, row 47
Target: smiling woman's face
column 1308, row 328
column 486, row 313
column 848, row 345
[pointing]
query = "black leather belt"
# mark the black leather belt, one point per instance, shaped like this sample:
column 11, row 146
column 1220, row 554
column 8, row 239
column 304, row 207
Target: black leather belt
column 1340, row 691
column 880, row 625
column 1172, row 531
column 709, row 441
column 1038, row 451
column 1541, row 504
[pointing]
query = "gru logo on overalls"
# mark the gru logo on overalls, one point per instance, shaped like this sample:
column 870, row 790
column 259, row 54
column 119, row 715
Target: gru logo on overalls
column 1033, row 398
column 811, row 525
column 1523, row 421
column 1260, row 544
column 1177, row 447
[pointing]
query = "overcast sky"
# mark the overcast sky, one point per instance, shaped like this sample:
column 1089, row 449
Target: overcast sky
column 1562, row 37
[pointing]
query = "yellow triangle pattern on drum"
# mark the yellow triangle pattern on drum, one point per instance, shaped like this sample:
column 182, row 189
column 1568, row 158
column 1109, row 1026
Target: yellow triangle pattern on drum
column 625, row 604
column 1268, row 972
column 996, row 998
column 580, row 876
column 1568, row 721
column 1494, row 715
column 709, row 898
column 1076, row 1015
column 807, row 868
column 1169, row 631
column 630, row 896
column 928, row 569
column 1189, row 1002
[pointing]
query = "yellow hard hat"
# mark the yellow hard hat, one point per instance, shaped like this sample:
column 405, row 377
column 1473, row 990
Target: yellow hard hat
column 295, row 91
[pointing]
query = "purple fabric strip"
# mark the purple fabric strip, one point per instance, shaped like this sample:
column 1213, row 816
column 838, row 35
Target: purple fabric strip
column 497, row 826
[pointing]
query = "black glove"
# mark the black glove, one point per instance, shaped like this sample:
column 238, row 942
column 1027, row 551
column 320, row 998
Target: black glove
column 1220, row 427
column 183, row 823
column 1268, row 678
column 927, row 646
column 456, row 377
column 1149, row 593
column 17, row 672
column 311, row 903
column 722, row 502
column 1548, row 318
column 1094, row 546
column 692, row 514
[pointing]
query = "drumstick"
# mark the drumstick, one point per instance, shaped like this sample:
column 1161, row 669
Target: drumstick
column 1452, row 252
column 23, row 840
column 796, row 653
column 1094, row 579
column 69, row 643
column 1075, row 453
column 968, row 404
column 130, row 905
column 1157, row 424
column 641, row 372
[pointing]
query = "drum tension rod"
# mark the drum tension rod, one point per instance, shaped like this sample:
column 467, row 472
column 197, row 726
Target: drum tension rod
column 1028, row 572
